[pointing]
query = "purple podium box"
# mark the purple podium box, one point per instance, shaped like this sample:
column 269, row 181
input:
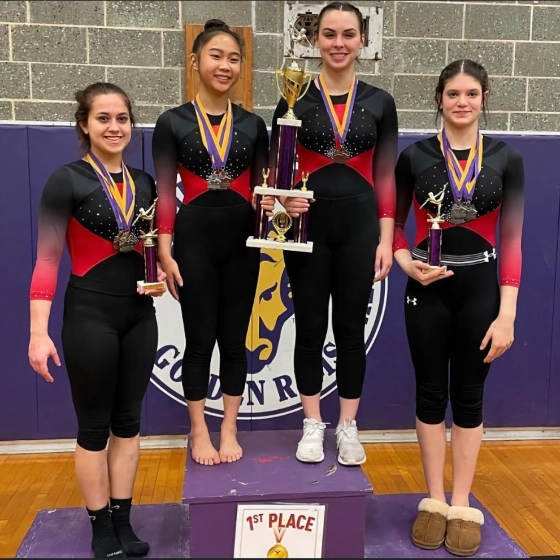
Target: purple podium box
column 270, row 473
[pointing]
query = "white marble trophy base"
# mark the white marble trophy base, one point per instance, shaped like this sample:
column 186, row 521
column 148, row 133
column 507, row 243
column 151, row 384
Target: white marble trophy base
column 283, row 192
column 285, row 246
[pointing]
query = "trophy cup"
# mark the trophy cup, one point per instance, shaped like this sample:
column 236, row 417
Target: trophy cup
column 435, row 231
column 149, row 239
column 294, row 76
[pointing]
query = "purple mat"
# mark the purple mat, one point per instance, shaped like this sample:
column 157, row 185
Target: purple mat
column 269, row 468
column 389, row 520
column 66, row 533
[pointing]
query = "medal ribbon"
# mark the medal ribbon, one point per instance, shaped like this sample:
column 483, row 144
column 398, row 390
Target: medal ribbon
column 462, row 180
column 218, row 144
column 121, row 203
column 340, row 128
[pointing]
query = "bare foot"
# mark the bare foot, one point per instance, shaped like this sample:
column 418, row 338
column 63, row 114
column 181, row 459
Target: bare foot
column 230, row 450
column 202, row 450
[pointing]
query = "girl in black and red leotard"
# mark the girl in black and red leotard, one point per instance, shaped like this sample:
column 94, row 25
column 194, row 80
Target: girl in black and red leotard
column 348, row 145
column 109, row 330
column 220, row 150
column 461, row 314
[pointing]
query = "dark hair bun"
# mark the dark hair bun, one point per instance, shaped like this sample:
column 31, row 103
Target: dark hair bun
column 214, row 24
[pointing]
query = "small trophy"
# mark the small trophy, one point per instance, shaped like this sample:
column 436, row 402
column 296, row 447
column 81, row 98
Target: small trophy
column 435, row 232
column 294, row 76
column 149, row 239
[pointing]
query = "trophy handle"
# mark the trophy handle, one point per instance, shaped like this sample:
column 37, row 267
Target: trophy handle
column 278, row 73
column 306, row 75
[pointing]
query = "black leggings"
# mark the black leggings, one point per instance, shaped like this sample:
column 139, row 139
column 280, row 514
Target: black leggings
column 446, row 322
column 109, row 345
column 220, row 275
column 345, row 235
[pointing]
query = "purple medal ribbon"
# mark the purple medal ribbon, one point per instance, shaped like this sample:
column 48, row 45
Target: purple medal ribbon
column 332, row 114
column 460, row 191
column 105, row 179
column 218, row 162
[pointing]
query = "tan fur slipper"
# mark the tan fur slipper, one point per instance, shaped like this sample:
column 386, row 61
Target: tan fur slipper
column 463, row 530
column 428, row 531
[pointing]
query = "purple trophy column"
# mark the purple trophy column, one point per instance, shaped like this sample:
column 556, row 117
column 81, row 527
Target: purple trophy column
column 286, row 157
column 150, row 262
column 297, row 230
column 303, row 225
column 261, row 221
column 434, row 246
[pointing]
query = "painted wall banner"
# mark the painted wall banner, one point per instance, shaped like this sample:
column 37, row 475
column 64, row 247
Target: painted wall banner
column 279, row 531
column 523, row 388
column 270, row 390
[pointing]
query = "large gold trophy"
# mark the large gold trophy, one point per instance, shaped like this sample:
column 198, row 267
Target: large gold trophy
column 295, row 83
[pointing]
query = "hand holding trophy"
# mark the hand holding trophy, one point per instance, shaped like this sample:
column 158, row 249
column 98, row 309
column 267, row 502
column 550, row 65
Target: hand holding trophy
column 149, row 239
column 294, row 76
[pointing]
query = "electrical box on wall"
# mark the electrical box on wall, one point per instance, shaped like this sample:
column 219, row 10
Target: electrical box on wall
column 305, row 16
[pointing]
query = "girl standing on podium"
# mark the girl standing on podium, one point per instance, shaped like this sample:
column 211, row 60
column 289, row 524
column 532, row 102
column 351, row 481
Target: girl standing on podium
column 348, row 145
column 460, row 315
column 109, row 331
column 219, row 150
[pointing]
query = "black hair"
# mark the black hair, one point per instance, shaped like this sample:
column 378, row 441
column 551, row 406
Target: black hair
column 212, row 28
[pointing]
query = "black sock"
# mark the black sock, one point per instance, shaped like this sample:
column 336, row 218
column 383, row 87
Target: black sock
column 104, row 542
column 120, row 516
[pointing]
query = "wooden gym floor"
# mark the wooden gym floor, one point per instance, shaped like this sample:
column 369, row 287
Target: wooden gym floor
column 518, row 482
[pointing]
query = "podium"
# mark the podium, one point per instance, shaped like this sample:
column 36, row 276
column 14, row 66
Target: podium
column 358, row 524
column 270, row 473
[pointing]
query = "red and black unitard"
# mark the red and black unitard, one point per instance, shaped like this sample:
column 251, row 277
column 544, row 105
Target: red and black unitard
column 210, row 230
column 447, row 320
column 344, row 228
column 109, row 332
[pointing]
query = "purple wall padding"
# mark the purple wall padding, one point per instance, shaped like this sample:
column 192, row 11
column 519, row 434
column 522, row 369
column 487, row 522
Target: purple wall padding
column 523, row 389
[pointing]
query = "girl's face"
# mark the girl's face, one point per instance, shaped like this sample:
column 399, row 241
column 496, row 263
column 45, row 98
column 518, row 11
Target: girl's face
column 219, row 63
column 340, row 39
column 462, row 100
column 108, row 124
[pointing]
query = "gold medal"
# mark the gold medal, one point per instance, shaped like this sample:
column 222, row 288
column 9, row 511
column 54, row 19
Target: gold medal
column 278, row 550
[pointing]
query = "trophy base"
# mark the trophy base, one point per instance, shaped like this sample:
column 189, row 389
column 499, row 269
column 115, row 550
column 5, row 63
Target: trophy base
column 283, row 192
column 150, row 285
column 282, row 246
column 289, row 122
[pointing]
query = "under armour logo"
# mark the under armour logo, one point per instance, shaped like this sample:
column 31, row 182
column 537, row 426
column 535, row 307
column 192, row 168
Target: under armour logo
column 487, row 255
column 411, row 300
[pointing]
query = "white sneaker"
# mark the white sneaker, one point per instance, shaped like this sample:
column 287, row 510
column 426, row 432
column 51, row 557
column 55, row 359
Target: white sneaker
column 350, row 450
column 310, row 447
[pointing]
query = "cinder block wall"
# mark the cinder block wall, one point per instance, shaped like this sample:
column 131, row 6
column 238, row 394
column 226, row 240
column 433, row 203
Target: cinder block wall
column 49, row 49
